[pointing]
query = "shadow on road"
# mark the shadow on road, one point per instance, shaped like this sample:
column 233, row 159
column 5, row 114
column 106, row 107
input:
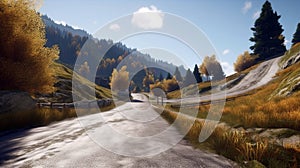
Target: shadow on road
column 10, row 142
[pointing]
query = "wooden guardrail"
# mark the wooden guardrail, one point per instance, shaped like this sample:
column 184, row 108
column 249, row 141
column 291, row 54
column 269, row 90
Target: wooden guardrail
column 81, row 104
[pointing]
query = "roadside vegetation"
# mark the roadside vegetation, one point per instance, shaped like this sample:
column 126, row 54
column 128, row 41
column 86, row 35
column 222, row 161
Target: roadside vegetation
column 63, row 93
column 294, row 50
column 260, row 108
column 43, row 116
column 24, row 61
column 237, row 145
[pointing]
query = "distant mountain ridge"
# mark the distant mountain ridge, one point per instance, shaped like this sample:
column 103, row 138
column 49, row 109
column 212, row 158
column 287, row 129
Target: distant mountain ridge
column 64, row 28
column 70, row 42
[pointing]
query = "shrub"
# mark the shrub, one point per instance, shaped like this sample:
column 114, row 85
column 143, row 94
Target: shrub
column 244, row 61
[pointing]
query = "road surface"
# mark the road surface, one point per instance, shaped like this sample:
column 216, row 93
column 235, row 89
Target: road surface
column 66, row 143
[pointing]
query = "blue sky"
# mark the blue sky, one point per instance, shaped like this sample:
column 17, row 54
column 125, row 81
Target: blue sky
column 226, row 23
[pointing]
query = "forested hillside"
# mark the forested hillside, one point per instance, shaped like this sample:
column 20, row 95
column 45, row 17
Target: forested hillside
column 71, row 41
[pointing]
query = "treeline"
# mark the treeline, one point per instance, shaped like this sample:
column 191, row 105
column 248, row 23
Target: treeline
column 140, row 66
column 117, row 55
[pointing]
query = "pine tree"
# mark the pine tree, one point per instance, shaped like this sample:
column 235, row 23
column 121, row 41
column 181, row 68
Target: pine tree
column 268, row 37
column 296, row 37
column 177, row 74
column 160, row 78
column 197, row 74
column 169, row 76
column 189, row 78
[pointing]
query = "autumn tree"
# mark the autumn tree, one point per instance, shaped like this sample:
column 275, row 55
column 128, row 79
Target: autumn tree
column 170, row 85
column 267, row 34
column 120, row 79
column 25, row 64
column 189, row 78
column 296, row 36
column 211, row 67
column 197, row 74
column 147, row 81
column 244, row 61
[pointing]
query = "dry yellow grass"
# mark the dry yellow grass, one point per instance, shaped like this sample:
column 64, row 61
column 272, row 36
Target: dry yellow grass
column 258, row 110
column 236, row 145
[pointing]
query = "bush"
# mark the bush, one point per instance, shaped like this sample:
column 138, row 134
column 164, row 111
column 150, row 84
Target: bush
column 244, row 61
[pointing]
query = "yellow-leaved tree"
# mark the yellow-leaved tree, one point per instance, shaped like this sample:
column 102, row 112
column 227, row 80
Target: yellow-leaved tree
column 25, row 64
column 211, row 67
column 244, row 61
column 120, row 79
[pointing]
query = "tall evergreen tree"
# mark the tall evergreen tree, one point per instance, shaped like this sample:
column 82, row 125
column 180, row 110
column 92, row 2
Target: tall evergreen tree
column 296, row 37
column 197, row 74
column 160, row 78
column 177, row 74
column 189, row 78
column 169, row 76
column 268, row 37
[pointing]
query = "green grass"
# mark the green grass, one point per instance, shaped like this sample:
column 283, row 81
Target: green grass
column 290, row 80
column 64, row 92
column 291, row 52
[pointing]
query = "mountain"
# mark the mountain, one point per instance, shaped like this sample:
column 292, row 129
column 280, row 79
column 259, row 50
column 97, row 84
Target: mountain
column 71, row 41
column 64, row 28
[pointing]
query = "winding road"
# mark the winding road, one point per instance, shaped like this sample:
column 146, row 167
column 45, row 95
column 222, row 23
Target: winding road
column 256, row 78
column 68, row 144
column 94, row 140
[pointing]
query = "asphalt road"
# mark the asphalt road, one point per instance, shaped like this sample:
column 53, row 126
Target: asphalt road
column 68, row 144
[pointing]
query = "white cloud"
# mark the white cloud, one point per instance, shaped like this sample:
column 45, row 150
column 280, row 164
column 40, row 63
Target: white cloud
column 286, row 42
column 227, row 68
column 115, row 27
column 256, row 15
column 225, row 51
column 247, row 7
column 148, row 18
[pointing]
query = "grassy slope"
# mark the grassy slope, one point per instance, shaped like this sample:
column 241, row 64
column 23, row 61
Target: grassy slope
column 294, row 50
column 64, row 86
column 205, row 87
column 259, row 109
column 44, row 116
